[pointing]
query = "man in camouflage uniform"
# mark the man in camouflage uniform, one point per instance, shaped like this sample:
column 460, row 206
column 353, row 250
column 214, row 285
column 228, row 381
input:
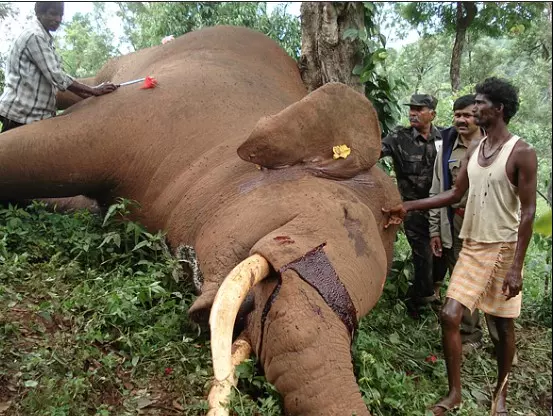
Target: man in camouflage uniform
column 413, row 150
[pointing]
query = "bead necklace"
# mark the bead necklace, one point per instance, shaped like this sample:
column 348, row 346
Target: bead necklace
column 497, row 149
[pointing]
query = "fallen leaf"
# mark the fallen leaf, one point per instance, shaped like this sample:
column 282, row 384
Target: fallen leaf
column 5, row 406
column 177, row 406
column 143, row 402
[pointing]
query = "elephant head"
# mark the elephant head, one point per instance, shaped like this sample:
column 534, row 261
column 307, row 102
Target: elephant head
column 231, row 156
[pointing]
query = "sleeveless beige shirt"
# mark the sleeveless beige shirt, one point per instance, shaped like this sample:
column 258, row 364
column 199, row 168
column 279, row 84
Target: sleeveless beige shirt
column 493, row 205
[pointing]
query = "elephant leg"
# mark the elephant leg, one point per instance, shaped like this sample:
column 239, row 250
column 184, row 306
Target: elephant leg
column 71, row 204
column 305, row 351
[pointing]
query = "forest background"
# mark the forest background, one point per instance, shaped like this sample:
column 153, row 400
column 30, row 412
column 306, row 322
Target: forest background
column 118, row 347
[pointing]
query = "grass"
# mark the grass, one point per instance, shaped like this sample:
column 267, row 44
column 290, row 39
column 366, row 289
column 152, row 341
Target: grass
column 93, row 322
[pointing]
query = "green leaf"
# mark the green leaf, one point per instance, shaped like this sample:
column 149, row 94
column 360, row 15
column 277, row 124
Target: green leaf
column 394, row 338
column 351, row 33
column 543, row 224
column 135, row 360
column 143, row 243
column 357, row 69
column 109, row 214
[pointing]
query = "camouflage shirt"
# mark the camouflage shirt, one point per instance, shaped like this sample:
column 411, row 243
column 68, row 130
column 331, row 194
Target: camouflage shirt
column 413, row 158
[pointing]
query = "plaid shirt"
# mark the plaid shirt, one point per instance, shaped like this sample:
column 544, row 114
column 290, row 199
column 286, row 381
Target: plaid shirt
column 33, row 77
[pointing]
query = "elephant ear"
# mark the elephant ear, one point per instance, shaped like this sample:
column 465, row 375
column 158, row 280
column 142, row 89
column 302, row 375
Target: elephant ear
column 307, row 133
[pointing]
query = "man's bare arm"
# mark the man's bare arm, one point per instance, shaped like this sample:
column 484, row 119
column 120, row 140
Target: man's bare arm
column 443, row 199
column 527, row 164
column 85, row 91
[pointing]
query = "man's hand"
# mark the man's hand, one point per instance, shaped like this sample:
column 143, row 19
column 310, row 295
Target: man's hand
column 512, row 285
column 436, row 246
column 84, row 91
column 395, row 215
column 104, row 88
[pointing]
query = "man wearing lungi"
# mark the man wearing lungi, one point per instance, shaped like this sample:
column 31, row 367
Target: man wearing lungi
column 500, row 174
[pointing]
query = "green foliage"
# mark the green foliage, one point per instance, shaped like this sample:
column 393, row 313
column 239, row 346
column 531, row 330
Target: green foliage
column 543, row 224
column 492, row 19
column 93, row 320
column 103, row 304
column 86, row 43
column 380, row 87
column 425, row 66
column 472, row 19
column 146, row 23
column 537, row 279
column 534, row 39
column 6, row 10
column 2, row 75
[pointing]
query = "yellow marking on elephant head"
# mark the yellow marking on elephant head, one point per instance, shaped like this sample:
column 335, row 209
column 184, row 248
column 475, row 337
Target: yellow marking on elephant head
column 341, row 151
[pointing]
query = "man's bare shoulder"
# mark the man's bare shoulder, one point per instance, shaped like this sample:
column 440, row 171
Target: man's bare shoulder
column 472, row 147
column 524, row 153
column 524, row 147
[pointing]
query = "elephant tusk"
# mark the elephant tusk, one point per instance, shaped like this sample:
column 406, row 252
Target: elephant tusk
column 225, row 307
column 219, row 392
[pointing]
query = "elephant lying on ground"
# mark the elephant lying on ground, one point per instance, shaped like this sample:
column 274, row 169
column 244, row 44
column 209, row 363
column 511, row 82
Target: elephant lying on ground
column 230, row 155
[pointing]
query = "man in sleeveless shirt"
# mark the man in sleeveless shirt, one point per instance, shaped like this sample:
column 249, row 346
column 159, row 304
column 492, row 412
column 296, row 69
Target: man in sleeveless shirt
column 500, row 174
column 445, row 223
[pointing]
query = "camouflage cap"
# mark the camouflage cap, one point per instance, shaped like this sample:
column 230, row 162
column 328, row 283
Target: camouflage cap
column 423, row 100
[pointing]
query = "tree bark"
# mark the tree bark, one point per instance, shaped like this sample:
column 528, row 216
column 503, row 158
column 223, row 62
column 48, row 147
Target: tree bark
column 325, row 55
column 549, row 190
column 463, row 21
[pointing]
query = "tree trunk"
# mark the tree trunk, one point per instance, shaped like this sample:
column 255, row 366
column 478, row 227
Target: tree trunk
column 471, row 77
column 325, row 55
column 463, row 21
column 548, row 46
column 549, row 190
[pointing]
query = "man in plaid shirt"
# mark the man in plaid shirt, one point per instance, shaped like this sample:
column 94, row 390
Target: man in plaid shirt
column 34, row 74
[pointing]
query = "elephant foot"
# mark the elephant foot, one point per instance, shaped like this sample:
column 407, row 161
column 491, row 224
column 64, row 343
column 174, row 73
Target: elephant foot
column 201, row 308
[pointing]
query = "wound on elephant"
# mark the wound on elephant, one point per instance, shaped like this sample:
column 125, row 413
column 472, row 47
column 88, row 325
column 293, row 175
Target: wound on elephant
column 316, row 269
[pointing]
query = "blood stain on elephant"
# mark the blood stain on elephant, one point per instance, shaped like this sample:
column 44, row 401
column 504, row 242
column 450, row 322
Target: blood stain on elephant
column 283, row 239
column 316, row 269
column 353, row 227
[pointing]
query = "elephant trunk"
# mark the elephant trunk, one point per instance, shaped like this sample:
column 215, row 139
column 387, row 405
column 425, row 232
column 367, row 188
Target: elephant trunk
column 305, row 352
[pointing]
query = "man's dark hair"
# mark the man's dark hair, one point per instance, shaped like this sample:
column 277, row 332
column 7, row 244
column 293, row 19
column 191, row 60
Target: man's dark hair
column 463, row 102
column 500, row 91
column 41, row 7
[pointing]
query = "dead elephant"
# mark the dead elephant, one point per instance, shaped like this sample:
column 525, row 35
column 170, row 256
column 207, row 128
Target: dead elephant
column 230, row 155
